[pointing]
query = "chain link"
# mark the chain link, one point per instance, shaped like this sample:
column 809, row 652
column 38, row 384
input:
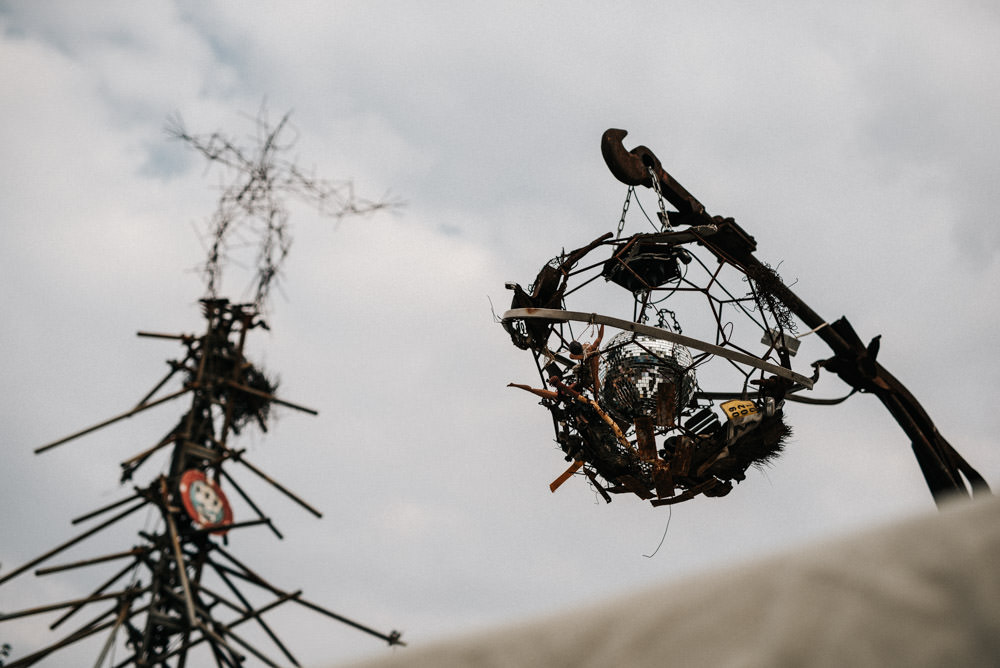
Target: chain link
column 621, row 222
column 661, row 317
column 664, row 217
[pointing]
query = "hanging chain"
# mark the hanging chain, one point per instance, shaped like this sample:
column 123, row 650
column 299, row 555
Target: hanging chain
column 662, row 314
column 621, row 222
column 663, row 216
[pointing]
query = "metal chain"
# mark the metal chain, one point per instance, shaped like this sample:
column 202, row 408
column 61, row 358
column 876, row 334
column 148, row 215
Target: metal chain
column 664, row 217
column 621, row 222
column 661, row 313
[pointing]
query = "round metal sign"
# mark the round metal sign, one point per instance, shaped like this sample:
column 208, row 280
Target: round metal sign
column 204, row 501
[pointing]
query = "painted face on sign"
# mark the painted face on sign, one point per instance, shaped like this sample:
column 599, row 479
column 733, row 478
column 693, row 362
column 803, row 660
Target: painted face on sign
column 206, row 503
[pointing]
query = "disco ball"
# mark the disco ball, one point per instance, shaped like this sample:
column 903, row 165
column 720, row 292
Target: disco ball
column 641, row 376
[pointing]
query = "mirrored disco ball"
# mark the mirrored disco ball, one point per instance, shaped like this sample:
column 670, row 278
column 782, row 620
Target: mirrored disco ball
column 643, row 376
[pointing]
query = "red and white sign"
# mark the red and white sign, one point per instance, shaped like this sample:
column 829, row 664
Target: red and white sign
column 204, row 501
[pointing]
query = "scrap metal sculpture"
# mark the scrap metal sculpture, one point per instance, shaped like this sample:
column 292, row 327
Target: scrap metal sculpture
column 180, row 588
column 629, row 410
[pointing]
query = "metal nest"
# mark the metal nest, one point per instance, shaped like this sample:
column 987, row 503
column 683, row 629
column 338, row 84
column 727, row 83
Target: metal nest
column 666, row 416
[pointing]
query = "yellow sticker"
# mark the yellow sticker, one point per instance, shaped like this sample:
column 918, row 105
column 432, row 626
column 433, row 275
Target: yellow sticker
column 738, row 409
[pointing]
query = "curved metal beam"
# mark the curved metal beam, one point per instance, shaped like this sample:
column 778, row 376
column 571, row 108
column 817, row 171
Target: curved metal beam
column 658, row 333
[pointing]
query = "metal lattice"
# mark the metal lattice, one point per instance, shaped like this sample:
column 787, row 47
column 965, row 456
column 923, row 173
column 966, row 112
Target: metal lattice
column 180, row 588
column 637, row 413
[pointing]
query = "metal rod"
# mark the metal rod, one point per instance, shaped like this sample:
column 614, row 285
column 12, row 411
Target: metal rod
column 648, row 330
column 270, row 397
column 253, row 505
column 135, row 551
column 79, row 634
column 249, row 615
column 128, row 414
column 178, row 555
column 175, row 366
column 260, row 621
column 157, row 335
column 219, row 598
column 216, row 639
column 125, row 608
column 74, row 541
column 238, row 456
column 139, row 458
column 250, row 648
column 392, row 638
column 226, row 527
column 107, row 583
column 65, row 604
column 106, row 508
column 237, row 367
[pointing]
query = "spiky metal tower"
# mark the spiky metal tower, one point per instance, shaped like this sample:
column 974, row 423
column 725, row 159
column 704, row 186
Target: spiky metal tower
column 180, row 588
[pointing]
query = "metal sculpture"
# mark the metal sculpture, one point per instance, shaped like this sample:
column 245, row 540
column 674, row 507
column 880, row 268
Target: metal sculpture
column 629, row 410
column 164, row 599
column 180, row 588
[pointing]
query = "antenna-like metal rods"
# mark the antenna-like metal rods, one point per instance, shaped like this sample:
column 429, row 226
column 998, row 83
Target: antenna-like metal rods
column 56, row 550
column 179, row 613
column 127, row 414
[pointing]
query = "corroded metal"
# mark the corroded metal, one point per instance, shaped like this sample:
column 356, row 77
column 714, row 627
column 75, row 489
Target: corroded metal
column 171, row 611
column 672, row 448
column 854, row 361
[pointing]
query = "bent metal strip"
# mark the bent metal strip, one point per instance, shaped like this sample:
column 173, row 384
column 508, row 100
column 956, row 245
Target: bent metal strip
column 656, row 332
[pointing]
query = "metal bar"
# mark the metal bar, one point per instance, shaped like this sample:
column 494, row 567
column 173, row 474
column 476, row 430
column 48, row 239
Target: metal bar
column 269, row 397
column 128, row 414
column 192, row 449
column 114, row 630
column 74, row 541
column 79, row 634
column 175, row 366
column 135, row 551
column 177, row 459
column 238, row 456
column 392, row 638
column 106, row 508
column 250, row 648
column 216, row 639
column 178, row 556
column 252, row 505
column 247, row 574
column 237, row 367
column 219, row 598
column 226, row 527
column 260, row 621
column 199, row 567
column 157, row 335
column 259, row 611
column 216, row 654
column 656, row 332
column 139, row 458
column 65, row 604
column 107, row 583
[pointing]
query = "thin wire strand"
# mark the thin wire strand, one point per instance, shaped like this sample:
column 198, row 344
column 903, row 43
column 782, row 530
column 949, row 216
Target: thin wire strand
column 670, row 513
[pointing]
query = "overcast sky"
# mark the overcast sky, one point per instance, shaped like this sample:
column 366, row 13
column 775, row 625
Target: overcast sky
column 857, row 142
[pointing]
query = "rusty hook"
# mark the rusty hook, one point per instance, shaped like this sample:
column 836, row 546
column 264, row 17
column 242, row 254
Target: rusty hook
column 632, row 168
column 629, row 167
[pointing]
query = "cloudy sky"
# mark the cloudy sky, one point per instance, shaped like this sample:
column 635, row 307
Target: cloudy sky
column 857, row 142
